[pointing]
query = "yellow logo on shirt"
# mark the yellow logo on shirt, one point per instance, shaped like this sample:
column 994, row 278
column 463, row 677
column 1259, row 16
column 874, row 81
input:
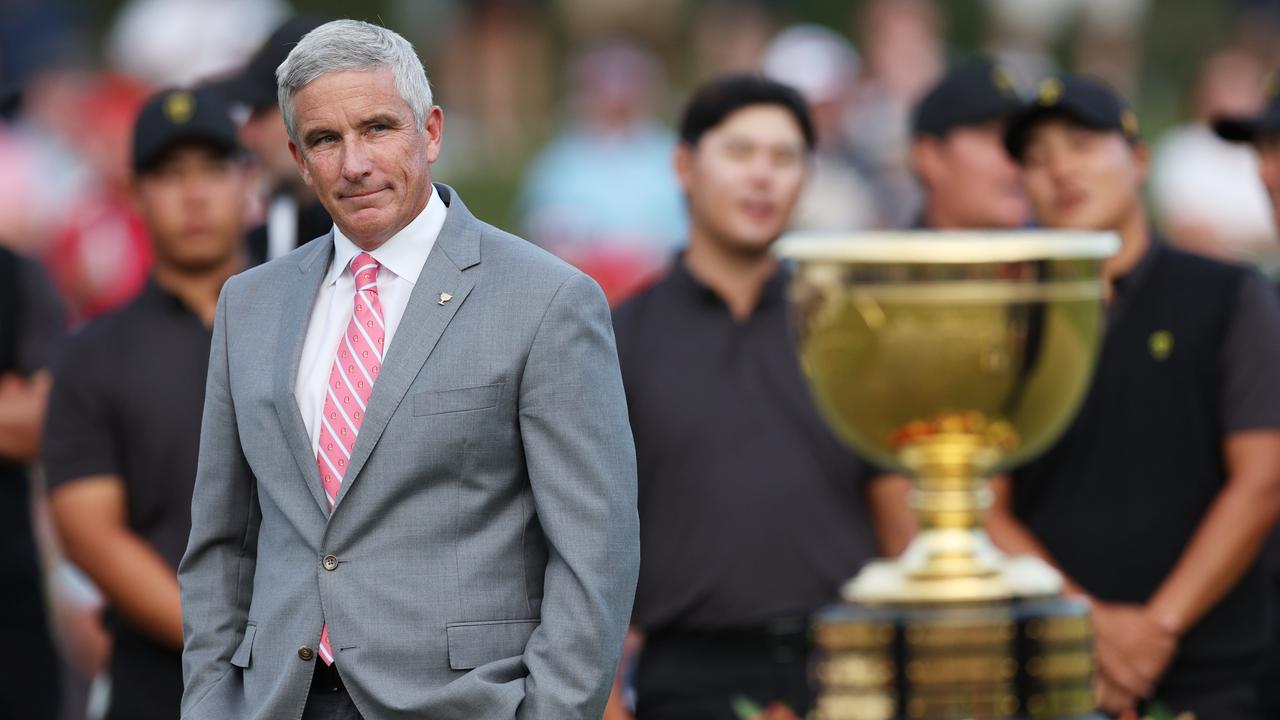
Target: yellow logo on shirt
column 1161, row 345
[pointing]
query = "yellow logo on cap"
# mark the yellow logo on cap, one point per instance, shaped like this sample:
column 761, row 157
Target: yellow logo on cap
column 1161, row 345
column 1003, row 81
column 1050, row 91
column 1129, row 122
column 179, row 107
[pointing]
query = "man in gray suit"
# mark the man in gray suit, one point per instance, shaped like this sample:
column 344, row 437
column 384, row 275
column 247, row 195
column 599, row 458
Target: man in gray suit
column 451, row 534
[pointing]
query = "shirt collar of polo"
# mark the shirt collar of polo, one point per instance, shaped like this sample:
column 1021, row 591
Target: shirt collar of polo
column 403, row 253
column 1127, row 285
column 772, row 292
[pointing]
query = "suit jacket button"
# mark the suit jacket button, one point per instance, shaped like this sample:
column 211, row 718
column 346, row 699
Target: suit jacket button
column 306, row 653
column 329, row 562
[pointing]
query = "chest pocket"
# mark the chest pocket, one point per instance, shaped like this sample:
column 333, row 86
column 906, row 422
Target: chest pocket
column 436, row 402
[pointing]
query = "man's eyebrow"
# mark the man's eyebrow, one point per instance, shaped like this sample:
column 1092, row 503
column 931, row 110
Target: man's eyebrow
column 382, row 119
column 315, row 133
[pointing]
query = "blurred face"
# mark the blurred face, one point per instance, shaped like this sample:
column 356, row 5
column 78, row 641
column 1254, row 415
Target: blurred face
column 972, row 181
column 1269, row 168
column 263, row 134
column 193, row 203
column 1082, row 179
column 743, row 178
column 363, row 153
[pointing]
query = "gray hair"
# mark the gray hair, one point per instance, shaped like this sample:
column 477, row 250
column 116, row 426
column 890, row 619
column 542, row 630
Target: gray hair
column 344, row 45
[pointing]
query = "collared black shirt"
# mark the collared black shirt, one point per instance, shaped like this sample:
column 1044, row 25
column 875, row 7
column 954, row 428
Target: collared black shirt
column 127, row 400
column 750, row 509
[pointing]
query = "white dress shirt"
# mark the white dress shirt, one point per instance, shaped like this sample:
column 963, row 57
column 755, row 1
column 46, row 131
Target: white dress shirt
column 401, row 258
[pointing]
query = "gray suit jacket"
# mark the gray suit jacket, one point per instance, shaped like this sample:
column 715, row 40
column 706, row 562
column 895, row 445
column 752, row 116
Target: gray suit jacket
column 486, row 534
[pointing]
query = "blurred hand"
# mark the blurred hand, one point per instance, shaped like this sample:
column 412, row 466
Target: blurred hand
column 1113, row 699
column 22, row 408
column 1131, row 647
column 776, row 711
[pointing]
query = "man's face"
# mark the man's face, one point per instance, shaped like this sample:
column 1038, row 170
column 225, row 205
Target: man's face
column 193, row 203
column 972, row 181
column 263, row 134
column 1082, row 179
column 744, row 176
column 363, row 153
column 1268, row 147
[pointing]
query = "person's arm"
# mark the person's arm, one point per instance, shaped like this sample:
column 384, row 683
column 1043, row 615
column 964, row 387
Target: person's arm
column 892, row 519
column 1227, row 541
column 582, row 470
column 1010, row 535
column 216, row 573
column 90, row 515
column 617, row 708
column 23, row 402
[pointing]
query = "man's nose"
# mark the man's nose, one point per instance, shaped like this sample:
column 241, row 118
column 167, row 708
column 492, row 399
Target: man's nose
column 355, row 161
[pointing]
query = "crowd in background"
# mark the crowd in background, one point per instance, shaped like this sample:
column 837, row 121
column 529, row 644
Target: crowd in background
column 559, row 126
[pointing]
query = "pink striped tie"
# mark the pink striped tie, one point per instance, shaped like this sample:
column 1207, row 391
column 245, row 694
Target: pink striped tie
column 355, row 368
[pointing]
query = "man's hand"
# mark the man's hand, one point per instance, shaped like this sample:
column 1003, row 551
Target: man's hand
column 1113, row 699
column 22, row 408
column 1131, row 646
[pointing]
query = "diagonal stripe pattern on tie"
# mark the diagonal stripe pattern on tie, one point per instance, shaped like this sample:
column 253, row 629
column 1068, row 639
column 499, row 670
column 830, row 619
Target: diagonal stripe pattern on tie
column 356, row 364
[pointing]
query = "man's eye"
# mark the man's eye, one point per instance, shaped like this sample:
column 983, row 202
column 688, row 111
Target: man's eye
column 326, row 139
column 379, row 127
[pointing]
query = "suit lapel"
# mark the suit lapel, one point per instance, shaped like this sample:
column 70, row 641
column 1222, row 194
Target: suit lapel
column 295, row 318
column 425, row 318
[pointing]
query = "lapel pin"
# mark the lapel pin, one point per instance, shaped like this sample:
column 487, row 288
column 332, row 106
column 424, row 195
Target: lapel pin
column 445, row 297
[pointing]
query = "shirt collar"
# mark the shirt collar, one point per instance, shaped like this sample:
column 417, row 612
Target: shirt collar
column 403, row 253
column 1126, row 286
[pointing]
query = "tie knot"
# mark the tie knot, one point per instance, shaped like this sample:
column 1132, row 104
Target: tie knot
column 365, row 270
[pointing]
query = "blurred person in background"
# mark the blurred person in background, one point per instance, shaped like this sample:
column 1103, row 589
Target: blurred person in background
column 1174, row 456
column 124, row 416
column 294, row 215
column 1262, row 132
column 602, row 194
column 823, row 66
column 752, row 513
column 1204, row 190
column 31, row 324
column 957, row 150
column 903, row 56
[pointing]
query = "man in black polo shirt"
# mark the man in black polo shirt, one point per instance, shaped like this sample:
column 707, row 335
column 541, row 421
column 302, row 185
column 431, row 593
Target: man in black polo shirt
column 1263, row 133
column 124, row 416
column 957, row 151
column 751, row 512
column 1156, row 501
column 294, row 214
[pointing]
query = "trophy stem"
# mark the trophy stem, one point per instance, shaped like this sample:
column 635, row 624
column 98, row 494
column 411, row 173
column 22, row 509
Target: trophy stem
column 951, row 558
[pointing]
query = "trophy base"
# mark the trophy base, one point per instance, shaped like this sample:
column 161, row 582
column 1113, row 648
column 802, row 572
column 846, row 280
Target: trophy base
column 1019, row 659
column 950, row 566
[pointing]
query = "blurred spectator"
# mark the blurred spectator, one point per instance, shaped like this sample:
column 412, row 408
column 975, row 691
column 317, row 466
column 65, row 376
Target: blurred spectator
column 99, row 254
column 602, row 194
column 294, row 215
column 124, row 417
column 902, row 49
column 497, row 73
column 1205, row 191
column 970, row 182
column 30, row 325
column 751, row 512
column 729, row 37
column 1024, row 33
column 1262, row 132
column 179, row 42
column 823, row 66
column 1175, row 453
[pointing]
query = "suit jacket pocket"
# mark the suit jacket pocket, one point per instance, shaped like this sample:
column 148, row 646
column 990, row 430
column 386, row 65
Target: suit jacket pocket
column 472, row 644
column 243, row 654
column 433, row 402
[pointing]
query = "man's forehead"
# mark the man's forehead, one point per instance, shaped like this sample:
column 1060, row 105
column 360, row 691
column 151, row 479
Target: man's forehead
column 760, row 124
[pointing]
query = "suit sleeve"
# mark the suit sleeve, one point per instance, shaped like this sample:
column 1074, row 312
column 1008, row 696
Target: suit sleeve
column 216, row 573
column 581, row 462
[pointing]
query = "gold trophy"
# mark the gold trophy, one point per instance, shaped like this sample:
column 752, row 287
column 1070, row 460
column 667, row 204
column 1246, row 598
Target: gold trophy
column 950, row 357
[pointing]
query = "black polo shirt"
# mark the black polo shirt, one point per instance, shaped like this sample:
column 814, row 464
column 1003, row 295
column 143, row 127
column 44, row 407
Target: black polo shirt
column 750, row 509
column 127, row 400
column 1190, row 357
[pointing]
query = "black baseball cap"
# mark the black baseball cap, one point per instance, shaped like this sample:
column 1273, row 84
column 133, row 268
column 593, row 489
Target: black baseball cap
column 1249, row 129
column 255, row 84
column 971, row 93
column 1089, row 102
column 175, row 117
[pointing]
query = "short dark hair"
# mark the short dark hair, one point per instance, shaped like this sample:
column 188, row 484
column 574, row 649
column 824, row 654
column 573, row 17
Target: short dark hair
column 720, row 98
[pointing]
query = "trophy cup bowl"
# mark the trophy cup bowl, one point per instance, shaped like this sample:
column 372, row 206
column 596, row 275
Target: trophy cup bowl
column 951, row 357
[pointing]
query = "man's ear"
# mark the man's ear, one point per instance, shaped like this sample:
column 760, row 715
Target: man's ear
column 926, row 159
column 433, row 126
column 302, row 163
column 1141, row 159
column 682, row 161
